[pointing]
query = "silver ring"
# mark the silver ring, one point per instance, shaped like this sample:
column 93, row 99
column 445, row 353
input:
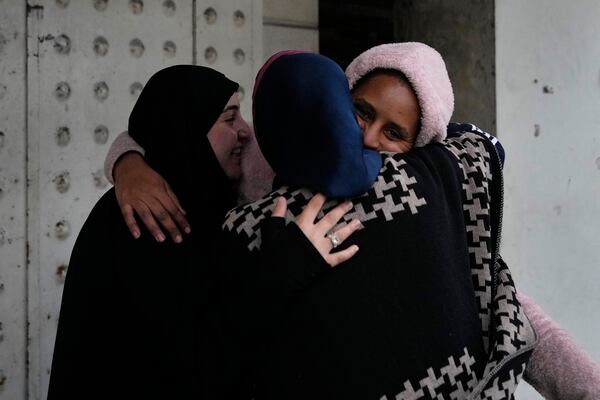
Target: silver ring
column 335, row 240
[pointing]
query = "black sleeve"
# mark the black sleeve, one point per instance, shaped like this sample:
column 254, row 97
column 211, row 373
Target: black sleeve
column 252, row 291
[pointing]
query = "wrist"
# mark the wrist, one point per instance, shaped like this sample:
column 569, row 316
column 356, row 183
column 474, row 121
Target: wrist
column 126, row 162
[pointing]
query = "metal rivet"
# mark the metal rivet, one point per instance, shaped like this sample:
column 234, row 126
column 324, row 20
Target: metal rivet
column 99, row 179
column 136, row 48
column 62, row 182
column 3, row 89
column 100, row 5
column 210, row 15
column 61, row 273
column 135, row 89
column 63, row 136
column 169, row 8
column 2, row 140
column 101, row 91
column 62, row 229
column 62, row 3
column 100, row 46
column 169, row 48
column 241, row 93
column 239, row 56
column 136, row 6
column 101, row 134
column 62, row 91
column 210, row 55
column 62, row 44
column 239, row 18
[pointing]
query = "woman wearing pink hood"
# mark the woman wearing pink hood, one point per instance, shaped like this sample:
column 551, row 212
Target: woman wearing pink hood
column 404, row 99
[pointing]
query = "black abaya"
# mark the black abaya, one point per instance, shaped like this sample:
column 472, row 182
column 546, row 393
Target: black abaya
column 129, row 317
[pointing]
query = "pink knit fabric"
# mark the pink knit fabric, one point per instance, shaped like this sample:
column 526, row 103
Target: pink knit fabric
column 122, row 144
column 559, row 368
column 426, row 72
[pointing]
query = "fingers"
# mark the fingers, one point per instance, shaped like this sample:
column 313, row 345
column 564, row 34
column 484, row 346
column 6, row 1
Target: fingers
column 174, row 198
column 315, row 232
column 332, row 217
column 175, row 212
column 336, row 259
column 148, row 219
column 280, row 207
column 178, row 213
column 142, row 190
column 163, row 215
column 127, row 212
column 310, row 212
column 344, row 232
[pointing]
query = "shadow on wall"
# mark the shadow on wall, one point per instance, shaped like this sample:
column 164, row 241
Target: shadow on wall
column 462, row 31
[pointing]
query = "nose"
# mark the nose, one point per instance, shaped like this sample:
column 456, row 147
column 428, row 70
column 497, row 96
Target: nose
column 370, row 136
column 243, row 132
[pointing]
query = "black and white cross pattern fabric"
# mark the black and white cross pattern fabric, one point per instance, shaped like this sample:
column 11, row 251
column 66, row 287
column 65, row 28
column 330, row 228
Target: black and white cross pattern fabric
column 491, row 370
column 382, row 201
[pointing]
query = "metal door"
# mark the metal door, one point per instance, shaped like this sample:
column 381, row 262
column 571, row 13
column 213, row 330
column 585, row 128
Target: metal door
column 70, row 72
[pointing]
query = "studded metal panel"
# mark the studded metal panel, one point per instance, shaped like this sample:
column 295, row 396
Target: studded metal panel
column 229, row 39
column 87, row 62
column 12, row 202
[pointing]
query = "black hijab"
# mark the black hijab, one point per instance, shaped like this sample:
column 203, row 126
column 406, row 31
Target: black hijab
column 170, row 120
column 129, row 320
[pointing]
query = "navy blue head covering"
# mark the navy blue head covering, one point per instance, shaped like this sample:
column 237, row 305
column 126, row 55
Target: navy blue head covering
column 306, row 127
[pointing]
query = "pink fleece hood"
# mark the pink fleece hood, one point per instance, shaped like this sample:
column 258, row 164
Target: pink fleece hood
column 426, row 72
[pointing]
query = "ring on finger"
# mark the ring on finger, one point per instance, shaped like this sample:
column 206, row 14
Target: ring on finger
column 335, row 240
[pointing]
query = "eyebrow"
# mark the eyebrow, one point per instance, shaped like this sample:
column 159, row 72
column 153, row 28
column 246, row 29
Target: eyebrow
column 366, row 104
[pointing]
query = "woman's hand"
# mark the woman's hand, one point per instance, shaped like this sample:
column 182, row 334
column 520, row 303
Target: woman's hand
column 317, row 233
column 141, row 189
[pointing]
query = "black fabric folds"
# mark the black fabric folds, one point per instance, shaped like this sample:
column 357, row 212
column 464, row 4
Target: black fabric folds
column 129, row 321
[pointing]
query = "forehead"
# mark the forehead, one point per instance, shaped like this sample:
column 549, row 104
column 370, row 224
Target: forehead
column 385, row 90
column 234, row 100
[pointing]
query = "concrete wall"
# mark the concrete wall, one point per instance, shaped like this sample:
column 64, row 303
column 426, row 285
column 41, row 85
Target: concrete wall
column 463, row 32
column 289, row 24
column 13, row 178
column 548, row 97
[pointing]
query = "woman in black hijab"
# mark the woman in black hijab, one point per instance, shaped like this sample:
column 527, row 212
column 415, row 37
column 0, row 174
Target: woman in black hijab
column 128, row 324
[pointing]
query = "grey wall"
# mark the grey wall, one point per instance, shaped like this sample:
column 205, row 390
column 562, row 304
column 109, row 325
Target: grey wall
column 463, row 32
column 548, row 87
column 290, row 24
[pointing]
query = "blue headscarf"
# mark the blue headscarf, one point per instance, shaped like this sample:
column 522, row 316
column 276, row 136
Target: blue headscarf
column 306, row 128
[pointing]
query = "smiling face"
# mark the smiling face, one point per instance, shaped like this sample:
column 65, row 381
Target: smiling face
column 228, row 137
column 388, row 112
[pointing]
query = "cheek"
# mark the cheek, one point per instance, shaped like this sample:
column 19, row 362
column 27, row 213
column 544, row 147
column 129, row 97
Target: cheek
column 395, row 146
